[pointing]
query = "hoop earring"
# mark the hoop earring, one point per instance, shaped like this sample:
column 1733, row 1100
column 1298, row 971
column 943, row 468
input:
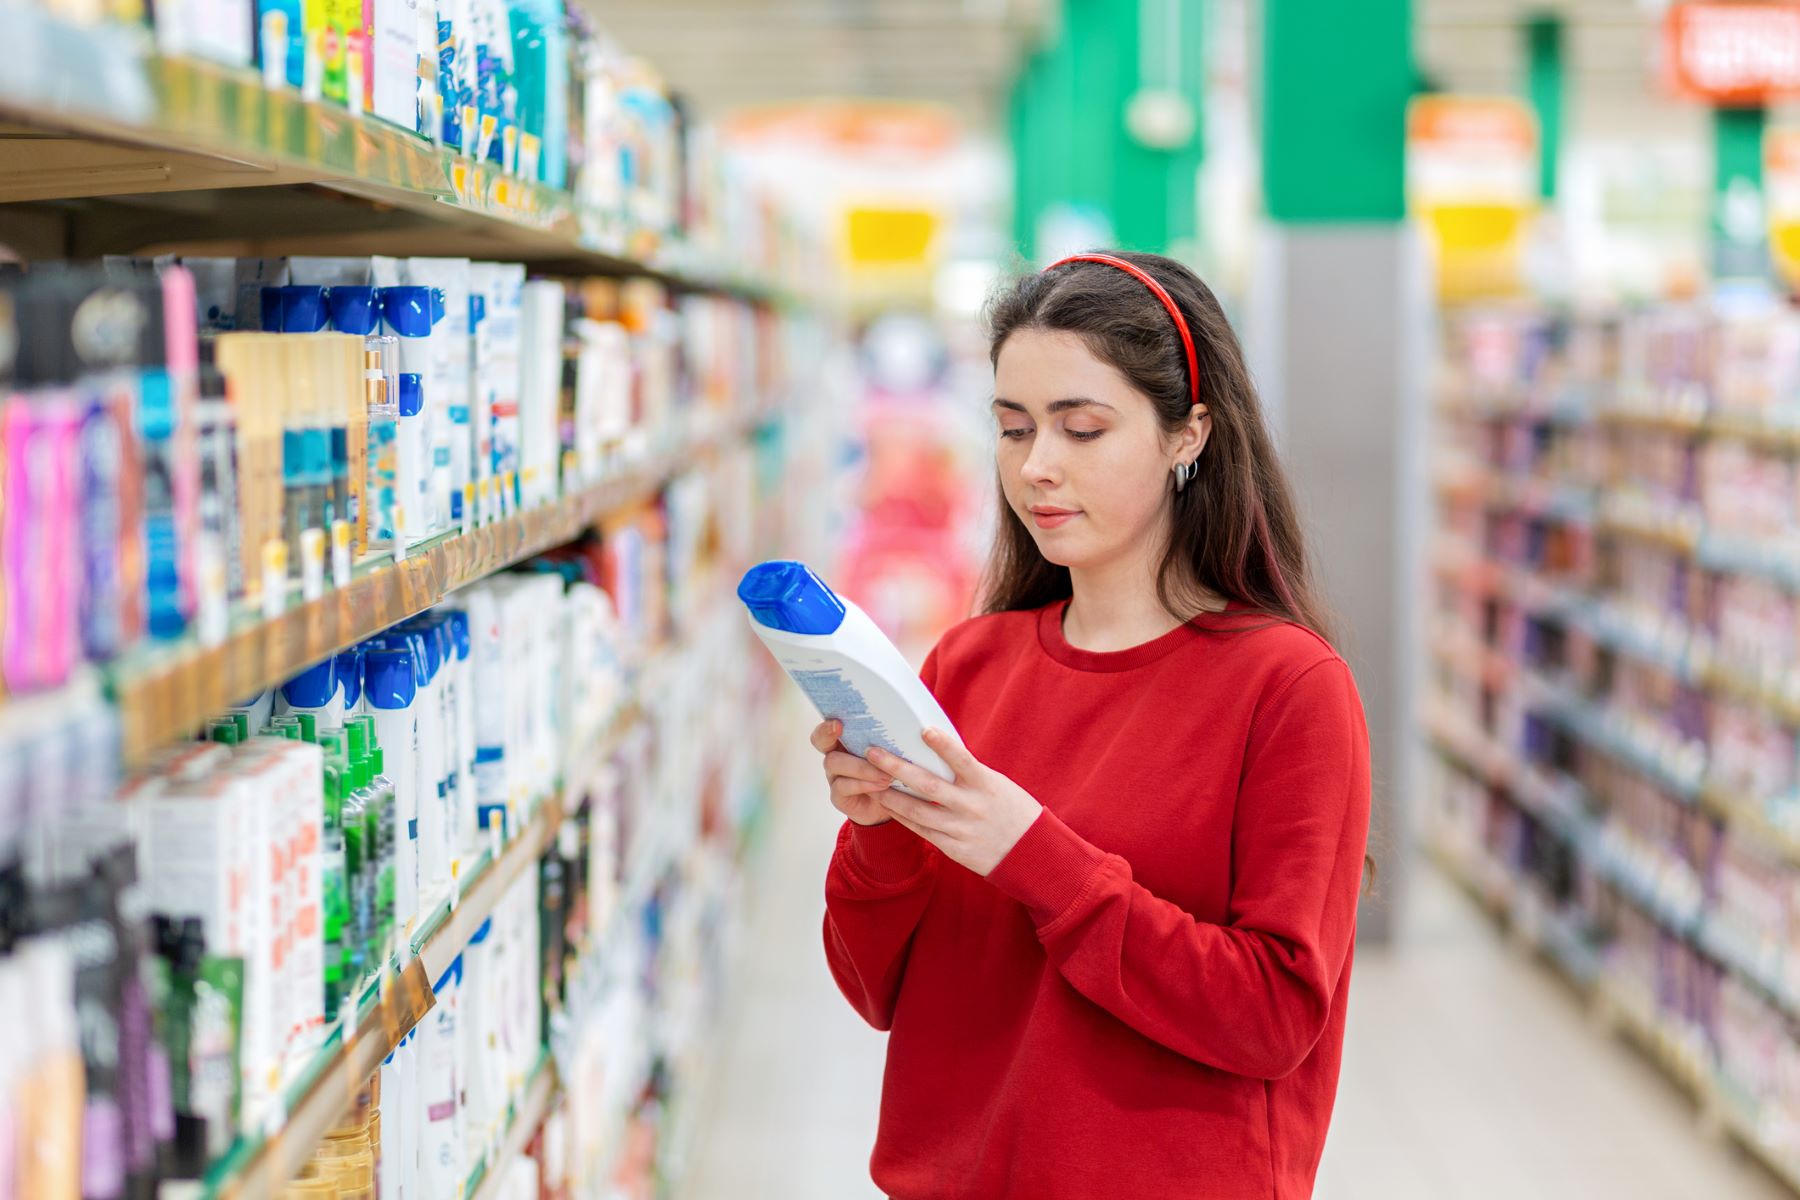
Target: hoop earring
column 1183, row 473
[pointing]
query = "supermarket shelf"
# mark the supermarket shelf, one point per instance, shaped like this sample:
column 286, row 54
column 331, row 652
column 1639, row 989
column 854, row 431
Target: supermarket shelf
column 1560, row 803
column 1469, row 656
column 1562, row 406
column 165, row 693
column 1677, row 536
column 1584, row 720
column 1682, row 653
column 257, row 1167
column 1586, row 836
column 138, row 124
column 261, row 1166
column 1549, row 934
column 528, row 1113
column 1568, row 503
column 1627, row 1013
column 1763, row 432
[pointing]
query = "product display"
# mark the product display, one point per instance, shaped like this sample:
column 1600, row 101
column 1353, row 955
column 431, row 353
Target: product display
column 1619, row 736
column 343, row 434
column 371, row 679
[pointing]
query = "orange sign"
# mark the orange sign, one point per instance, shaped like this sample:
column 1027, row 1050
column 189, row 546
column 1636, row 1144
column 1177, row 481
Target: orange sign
column 851, row 127
column 1471, row 181
column 1732, row 53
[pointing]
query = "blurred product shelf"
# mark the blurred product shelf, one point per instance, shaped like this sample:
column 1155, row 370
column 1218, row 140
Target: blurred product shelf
column 1614, row 709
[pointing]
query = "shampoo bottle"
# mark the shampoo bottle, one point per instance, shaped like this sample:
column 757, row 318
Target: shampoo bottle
column 844, row 663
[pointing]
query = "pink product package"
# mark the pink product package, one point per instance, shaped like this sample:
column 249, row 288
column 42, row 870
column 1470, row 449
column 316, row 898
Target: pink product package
column 38, row 550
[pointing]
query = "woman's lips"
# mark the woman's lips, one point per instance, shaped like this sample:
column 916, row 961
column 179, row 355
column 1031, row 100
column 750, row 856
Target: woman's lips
column 1050, row 518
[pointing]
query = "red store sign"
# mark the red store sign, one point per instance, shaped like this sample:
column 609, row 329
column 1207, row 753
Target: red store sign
column 1732, row 53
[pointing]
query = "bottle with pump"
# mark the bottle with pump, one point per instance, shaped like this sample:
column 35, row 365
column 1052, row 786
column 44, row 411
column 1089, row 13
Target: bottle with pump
column 844, row 663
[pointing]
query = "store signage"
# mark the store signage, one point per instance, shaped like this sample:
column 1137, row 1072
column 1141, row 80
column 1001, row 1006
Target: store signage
column 1781, row 195
column 1471, row 180
column 1732, row 54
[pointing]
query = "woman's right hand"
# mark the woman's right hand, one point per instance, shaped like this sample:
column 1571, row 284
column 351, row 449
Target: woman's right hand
column 856, row 786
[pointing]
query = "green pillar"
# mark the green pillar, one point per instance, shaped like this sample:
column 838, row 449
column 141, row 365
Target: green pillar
column 1074, row 147
column 1336, row 79
column 1027, row 158
column 1739, row 226
column 1544, row 83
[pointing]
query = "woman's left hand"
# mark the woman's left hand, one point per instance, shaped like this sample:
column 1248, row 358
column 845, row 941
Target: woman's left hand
column 975, row 820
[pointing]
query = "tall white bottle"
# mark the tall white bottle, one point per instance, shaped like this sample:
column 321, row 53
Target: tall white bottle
column 844, row 663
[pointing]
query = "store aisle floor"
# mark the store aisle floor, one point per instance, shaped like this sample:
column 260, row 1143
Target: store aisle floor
column 1469, row 1073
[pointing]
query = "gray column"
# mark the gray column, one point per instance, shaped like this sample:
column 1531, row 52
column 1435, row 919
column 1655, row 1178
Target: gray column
column 1339, row 332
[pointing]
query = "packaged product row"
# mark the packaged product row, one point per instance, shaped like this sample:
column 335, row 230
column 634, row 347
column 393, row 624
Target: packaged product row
column 200, row 433
column 1725, row 634
column 1722, row 1027
column 281, row 868
column 533, row 87
column 1679, row 360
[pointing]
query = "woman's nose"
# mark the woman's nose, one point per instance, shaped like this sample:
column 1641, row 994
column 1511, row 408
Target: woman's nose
column 1040, row 465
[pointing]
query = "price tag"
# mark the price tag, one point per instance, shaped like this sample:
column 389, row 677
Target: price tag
column 312, row 564
column 340, row 554
column 214, row 615
column 274, row 578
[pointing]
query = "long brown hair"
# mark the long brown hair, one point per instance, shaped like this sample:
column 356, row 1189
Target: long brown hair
column 1234, row 532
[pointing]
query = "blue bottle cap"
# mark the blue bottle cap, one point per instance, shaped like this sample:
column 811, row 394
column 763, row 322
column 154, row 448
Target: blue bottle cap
column 452, row 976
column 787, row 596
column 459, row 633
column 350, row 674
column 303, row 309
column 425, row 638
column 388, row 680
column 412, row 394
column 408, row 310
column 355, row 310
column 313, row 687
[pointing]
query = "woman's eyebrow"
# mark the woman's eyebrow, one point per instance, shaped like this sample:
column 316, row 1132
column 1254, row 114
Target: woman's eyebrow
column 1057, row 406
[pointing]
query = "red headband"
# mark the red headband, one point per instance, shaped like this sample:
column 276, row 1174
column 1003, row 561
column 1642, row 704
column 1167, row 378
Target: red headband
column 1144, row 277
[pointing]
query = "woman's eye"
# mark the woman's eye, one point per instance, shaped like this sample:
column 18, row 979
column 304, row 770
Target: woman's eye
column 1014, row 434
column 1085, row 435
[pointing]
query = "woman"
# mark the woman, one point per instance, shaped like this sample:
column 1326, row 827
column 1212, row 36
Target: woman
column 1114, row 952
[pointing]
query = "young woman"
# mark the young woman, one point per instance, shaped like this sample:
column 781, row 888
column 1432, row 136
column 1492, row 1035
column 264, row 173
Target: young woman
column 1114, row 952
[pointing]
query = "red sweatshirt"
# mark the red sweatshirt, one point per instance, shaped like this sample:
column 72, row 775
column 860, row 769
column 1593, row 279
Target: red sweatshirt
column 1146, row 998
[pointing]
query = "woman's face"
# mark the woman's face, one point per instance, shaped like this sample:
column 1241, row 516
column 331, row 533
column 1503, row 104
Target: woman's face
column 1084, row 463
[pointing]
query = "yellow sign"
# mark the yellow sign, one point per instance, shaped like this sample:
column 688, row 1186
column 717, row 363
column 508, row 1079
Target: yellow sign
column 1781, row 193
column 1471, row 180
column 883, row 238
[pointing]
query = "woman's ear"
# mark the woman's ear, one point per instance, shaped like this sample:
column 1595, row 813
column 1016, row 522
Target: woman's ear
column 1194, row 434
